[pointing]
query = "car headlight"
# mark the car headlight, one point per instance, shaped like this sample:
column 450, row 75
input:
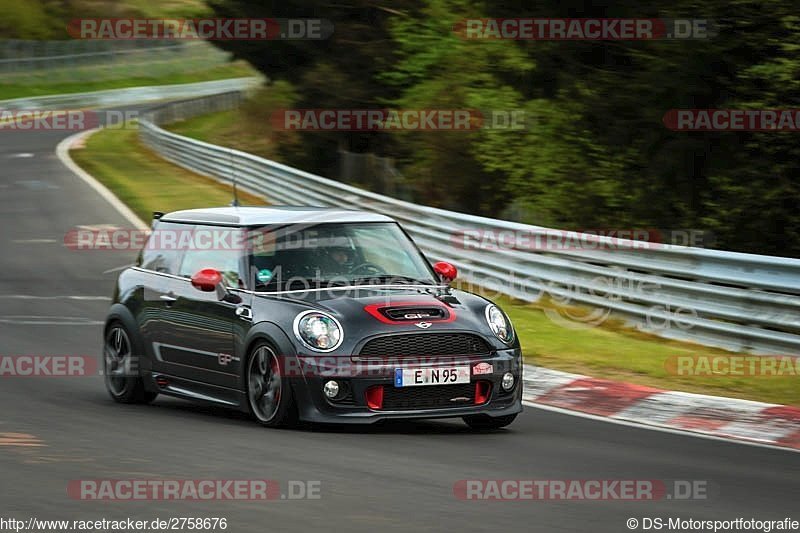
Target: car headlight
column 318, row 331
column 499, row 324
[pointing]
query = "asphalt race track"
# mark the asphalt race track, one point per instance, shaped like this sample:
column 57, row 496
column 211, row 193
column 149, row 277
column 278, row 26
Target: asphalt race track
column 393, row 477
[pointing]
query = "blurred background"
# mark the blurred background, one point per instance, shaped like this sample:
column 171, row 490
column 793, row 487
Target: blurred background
column 595, row 153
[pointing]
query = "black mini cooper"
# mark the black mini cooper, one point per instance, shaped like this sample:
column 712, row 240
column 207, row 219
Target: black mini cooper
column 305, row 313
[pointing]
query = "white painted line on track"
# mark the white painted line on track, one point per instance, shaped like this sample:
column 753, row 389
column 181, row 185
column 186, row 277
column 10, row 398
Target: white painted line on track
column 37, row 320
column 118, row 269
column 62, row 151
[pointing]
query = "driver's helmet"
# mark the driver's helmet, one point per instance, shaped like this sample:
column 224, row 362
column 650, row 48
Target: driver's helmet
column 338, row 250
column 341, row 255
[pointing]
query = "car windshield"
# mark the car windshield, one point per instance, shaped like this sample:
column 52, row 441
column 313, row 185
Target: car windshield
column 290, row 257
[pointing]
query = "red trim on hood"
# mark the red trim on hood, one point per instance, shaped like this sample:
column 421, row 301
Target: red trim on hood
column 375, row 310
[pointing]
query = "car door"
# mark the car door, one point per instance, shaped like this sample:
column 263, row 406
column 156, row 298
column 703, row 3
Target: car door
column 158, row 264
column 197, row 328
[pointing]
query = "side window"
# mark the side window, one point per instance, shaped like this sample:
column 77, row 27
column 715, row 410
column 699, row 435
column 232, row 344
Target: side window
column 162, row 253
column 223, row 257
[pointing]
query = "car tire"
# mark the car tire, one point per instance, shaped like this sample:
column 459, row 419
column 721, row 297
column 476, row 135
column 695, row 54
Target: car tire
column 269, row 394
column 488, row 422
column 122, row 383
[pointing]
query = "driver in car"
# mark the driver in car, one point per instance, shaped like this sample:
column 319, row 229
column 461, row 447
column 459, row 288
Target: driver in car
column 340, row 260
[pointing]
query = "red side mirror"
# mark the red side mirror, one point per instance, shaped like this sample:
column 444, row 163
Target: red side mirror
column 446, row 271
column 206, row 280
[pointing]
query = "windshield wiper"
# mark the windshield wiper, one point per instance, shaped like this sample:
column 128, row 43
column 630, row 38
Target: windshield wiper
column 396, row 279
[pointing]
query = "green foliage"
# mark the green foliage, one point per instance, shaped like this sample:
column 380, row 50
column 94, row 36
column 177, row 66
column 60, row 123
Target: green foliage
column 48, row 19
column 595, row 152
column 26, row 20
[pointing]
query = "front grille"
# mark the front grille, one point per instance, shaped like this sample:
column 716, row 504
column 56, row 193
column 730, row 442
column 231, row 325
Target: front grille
column 432, row 397
column 425, row 344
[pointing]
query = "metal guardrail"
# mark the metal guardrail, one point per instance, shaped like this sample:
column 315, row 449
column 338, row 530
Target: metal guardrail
column 737, row 301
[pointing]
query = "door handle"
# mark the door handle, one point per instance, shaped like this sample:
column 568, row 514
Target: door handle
column 245, row 313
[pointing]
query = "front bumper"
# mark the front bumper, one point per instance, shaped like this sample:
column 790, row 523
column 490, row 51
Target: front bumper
column 359, row 376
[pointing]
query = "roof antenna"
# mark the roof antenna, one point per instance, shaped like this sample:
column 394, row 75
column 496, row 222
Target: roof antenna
column 235, row 202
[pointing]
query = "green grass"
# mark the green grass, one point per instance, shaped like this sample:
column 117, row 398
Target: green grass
column 224, row 128
column 227, row 128
column 144, row 181
column 46, row 86
column 248, row 128
column 147, row 183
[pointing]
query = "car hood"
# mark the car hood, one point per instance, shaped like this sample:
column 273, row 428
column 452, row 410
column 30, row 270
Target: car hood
column 368, row 311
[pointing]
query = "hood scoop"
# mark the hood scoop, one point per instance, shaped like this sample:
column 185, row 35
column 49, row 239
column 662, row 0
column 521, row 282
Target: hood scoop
column 413, row 314
column 410, row 312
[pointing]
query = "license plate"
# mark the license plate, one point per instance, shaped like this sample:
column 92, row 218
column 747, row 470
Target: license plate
column 417, row 377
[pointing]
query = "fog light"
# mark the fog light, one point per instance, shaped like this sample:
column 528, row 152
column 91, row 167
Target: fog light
column 331, row 389
column 508, row 381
